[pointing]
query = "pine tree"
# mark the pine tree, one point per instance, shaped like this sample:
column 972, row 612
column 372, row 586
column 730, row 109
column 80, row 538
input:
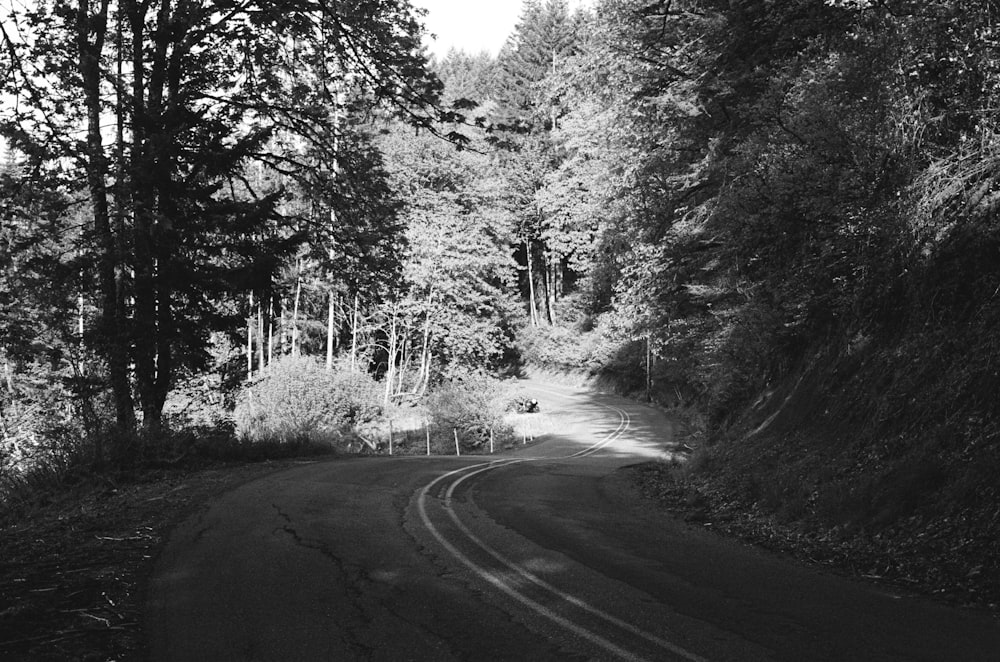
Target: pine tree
column 545, row 36
column 537, row 55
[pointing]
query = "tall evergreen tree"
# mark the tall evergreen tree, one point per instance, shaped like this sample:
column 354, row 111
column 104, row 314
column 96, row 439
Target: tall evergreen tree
column 537, row 55
column 545, row 36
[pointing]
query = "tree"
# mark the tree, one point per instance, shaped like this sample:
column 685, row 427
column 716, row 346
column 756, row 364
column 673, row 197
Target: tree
column 544, row 37
column 44, row 365
column 530, row 105
column 198, row 90
column 467, row 76
column 457, row 272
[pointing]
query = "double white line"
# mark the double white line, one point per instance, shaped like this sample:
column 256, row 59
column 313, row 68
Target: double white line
column 459, row 476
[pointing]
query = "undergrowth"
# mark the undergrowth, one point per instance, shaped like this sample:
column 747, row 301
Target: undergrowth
column 297, row 407
column 73, row 465
column 471, row 407
column 299, row 400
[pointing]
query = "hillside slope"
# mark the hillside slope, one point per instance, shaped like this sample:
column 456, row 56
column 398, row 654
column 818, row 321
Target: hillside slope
column 882, row 440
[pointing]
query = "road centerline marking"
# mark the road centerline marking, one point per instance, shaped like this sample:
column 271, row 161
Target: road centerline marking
column 459, row 476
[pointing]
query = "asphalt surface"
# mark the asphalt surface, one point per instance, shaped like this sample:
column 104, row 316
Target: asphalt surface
column 544, row 552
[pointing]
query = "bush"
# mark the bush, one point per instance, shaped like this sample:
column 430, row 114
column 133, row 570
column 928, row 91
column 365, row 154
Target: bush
column 298, row 399
column 585, row 349
column 472, row 404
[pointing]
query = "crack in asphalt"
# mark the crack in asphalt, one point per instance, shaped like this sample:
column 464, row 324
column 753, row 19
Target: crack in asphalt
column 370, row 601
column 448, row 572
column 199, row 518
column 352, row 633
column 355, row 577
column 199, row 534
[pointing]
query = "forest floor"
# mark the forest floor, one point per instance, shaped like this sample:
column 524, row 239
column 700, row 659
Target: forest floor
column 72, row 569
column 932, row 561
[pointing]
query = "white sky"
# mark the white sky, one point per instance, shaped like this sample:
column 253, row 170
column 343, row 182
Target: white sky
column 473, row 25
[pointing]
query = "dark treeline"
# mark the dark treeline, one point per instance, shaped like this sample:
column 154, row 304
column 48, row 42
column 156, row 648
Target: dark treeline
column 776, row 218
column 796, row 208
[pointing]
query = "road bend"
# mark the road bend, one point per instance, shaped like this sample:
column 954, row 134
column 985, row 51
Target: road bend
column 542, row 552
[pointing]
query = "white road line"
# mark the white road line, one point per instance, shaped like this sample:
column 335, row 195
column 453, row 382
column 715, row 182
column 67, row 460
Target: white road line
column 623, row 424
column 577, row 602
column 505, row 586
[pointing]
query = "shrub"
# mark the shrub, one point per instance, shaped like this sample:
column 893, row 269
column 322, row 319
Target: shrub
column 298, row 399
column 474, row 405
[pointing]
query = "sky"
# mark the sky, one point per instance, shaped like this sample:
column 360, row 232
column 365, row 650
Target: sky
column 473, row 25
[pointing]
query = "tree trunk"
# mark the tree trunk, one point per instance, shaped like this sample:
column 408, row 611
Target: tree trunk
column 546, row 287
column 4, row 429
column 282, row 331
column 428, row 359
column 558, row 277
column 250, row 339
column 554, row 286
column 164, row 368
column 532, row 308
column 261, row 365
column 424, row 375
column 165, row 99
column 329, row 332
column 149, row 168
column 270, row 330
column 80, row 327
column 390, row 362
column 295, row 308
column 339, row 325
column 354, row 336
column 649, row 369
column 404, row 360
column 113, row 334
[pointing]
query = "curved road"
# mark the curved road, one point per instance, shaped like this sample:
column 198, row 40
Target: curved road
column 542, row 553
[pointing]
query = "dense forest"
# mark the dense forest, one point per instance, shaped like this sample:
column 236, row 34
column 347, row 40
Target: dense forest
column 776, row 219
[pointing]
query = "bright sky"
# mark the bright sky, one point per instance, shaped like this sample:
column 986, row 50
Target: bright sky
column 474, row 25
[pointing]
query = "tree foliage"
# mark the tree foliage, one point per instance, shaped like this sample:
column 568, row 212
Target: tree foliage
column 704, row 200
column 458, row 271
column 198, row 91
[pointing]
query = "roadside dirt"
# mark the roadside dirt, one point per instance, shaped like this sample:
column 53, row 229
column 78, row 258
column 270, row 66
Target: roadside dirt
column 944, row 563
column 72, row 570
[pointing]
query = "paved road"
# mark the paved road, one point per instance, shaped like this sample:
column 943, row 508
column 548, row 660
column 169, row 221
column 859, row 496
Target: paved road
column 543, row 553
